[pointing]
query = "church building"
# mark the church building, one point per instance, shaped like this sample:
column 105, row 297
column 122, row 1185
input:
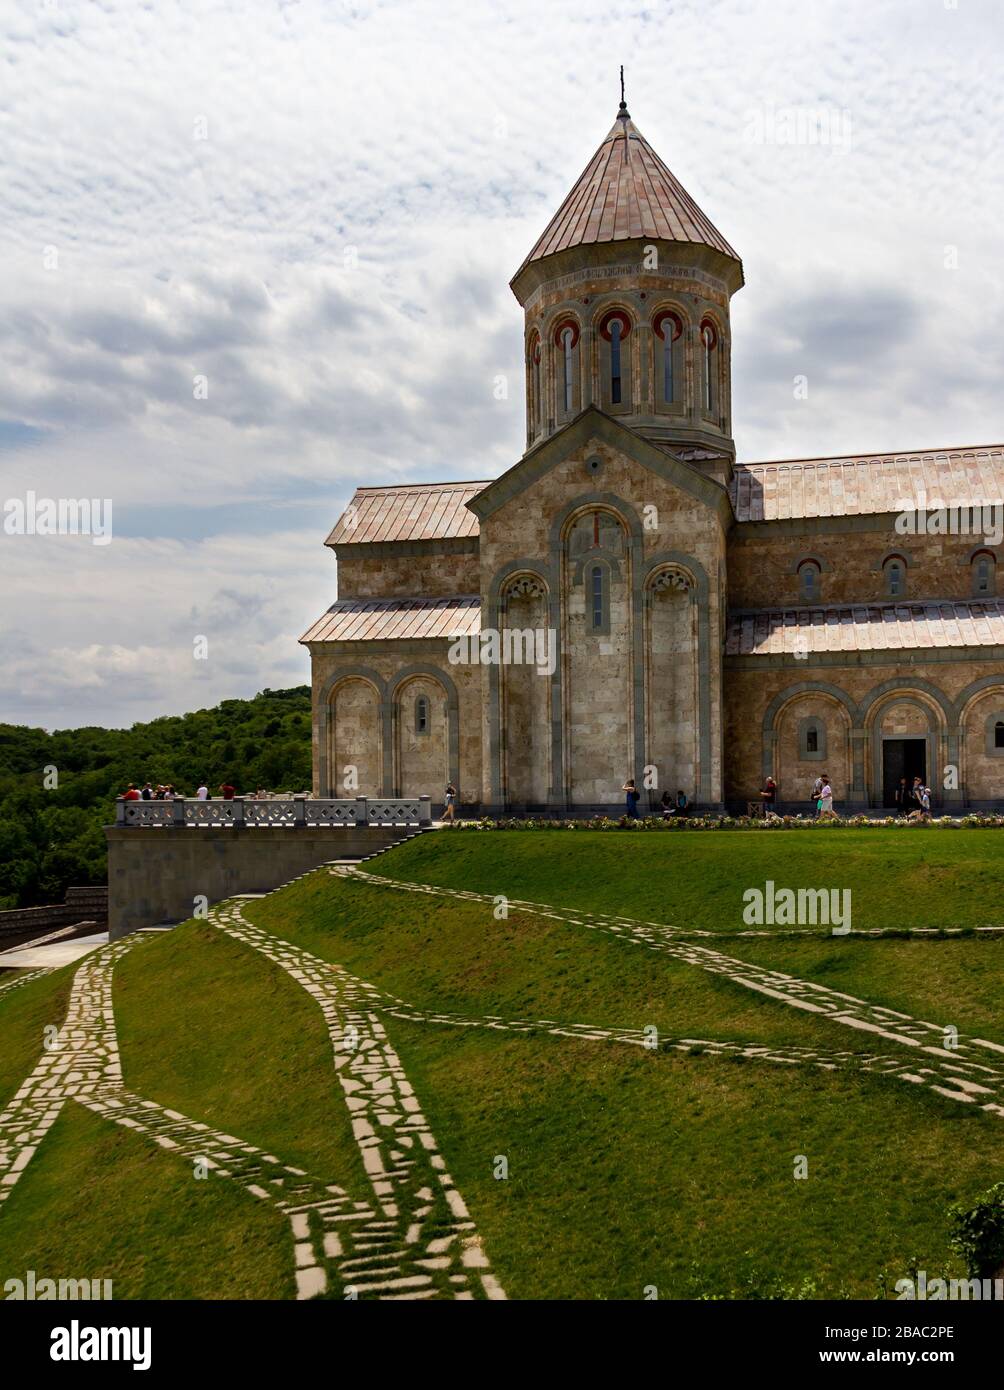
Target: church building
column 630, row 600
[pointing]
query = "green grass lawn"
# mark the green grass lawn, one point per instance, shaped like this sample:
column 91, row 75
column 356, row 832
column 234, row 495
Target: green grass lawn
column 627, row 1168
column 898, row 878
column 25, row 1013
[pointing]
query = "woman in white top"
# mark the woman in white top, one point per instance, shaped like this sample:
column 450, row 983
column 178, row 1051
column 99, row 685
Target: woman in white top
column 203, row 793
column 826, row 800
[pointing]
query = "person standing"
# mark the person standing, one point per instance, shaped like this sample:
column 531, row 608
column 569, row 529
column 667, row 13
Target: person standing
column 450, row 800
column 817, row 792
column 203, row 792
column 131, row 794
column 632, row 797
column 147, row 792
column 904, row 798
column 227, row 791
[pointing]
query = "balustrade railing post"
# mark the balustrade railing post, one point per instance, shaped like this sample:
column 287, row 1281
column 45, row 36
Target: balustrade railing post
column 362, row 813
column 120, row 810
column 238, row 805
column 299, row 811
column 178, row 811
column 425, row 810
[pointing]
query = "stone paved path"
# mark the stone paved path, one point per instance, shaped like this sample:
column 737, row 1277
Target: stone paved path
column 967, row 1072
column 410, row 1237
column 7, row 986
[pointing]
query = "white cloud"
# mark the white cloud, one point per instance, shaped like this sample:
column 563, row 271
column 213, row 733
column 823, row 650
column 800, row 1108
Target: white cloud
column 429, row 140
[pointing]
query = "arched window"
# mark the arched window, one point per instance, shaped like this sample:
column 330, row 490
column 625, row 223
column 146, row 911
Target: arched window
column 709, row 343
column 894, row 569
column 669, row 330
column 615, row 362
column 566, row 338
column 566, row 353
column 422, row 714
column 614, row 329
column 811, row 738
column 808, row 581
column 596, row 609
column 984, row 570
column 999, row 734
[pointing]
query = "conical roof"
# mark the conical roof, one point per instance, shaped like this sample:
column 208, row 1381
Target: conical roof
column 626, row 192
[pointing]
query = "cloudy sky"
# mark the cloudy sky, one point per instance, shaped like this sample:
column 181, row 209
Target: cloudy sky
column 314, row 208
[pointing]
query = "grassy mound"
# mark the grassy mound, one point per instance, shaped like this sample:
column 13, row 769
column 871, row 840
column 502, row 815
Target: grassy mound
column 941, row 879
column 626, row 1169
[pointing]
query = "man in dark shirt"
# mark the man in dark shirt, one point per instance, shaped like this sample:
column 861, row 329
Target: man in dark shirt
column 227, row 791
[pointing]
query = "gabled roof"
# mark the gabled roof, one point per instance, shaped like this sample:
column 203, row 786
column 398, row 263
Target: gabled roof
column 796, row 488
column 626, row 192
column 407, row 512
column 593, row 423
column 389, row 619
column 863, row 627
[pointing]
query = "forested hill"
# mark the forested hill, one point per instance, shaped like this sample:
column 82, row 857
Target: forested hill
column 52, row 837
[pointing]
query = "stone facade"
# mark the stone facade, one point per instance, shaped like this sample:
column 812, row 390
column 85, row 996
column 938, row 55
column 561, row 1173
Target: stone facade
column 644, row 605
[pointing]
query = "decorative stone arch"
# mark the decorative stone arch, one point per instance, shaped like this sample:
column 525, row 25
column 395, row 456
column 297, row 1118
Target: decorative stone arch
column 551, row 347
column 964, row 702
column 392, row 706
column 711, row 315
column 559, row 531
column 974, row 691
column 883, row 566
column 665, row 307
column 823, row 690
column 981, row 553
column 941, row 737
column 323, row 713
column 546, row 571
column 591, row 502
column 699, row 592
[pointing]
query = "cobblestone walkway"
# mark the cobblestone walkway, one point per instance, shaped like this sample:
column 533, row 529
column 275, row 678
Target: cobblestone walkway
column 8, row 986
column 410, row 1237
column 967, row 1072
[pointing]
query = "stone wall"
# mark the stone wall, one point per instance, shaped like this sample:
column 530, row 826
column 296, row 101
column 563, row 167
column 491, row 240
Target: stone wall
column 600, row 699
column 763, row 558
column 950, row 701
column 80, row 905
column 408, row 570
column 155, row 875
column 375, row 685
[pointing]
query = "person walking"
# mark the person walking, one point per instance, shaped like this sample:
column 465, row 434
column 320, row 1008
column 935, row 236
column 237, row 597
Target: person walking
column 817, row 792
column 450, row 808
column 826, row 811
column 903, row 798
column 632, row 797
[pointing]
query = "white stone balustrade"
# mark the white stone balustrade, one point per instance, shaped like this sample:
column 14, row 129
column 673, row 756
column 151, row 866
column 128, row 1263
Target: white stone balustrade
column 290, row 812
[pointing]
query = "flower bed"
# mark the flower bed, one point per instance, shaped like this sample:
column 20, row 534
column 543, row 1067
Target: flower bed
column 768, row 823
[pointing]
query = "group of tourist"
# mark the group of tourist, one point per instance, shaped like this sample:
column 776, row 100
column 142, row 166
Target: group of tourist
column 913, row 802
column 670, row 806
column 167, row 793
